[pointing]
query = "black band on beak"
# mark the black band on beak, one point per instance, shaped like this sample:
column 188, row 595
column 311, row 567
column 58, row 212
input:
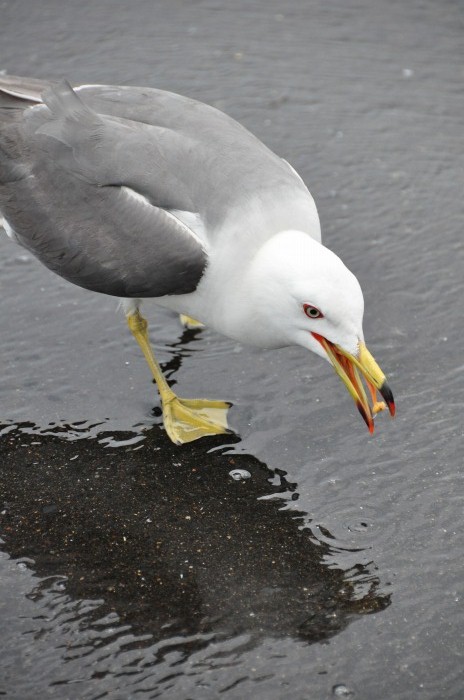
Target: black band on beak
column 387, row 395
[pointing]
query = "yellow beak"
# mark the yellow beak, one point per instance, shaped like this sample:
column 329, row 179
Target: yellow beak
column 348, row 367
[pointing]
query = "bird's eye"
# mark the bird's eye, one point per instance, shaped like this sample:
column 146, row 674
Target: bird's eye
column 312, row 311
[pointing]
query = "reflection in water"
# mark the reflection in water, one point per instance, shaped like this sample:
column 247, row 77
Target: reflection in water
column 178, row 350
column 167, row 543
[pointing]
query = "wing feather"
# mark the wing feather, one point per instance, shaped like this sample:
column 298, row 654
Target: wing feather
column 83, row 202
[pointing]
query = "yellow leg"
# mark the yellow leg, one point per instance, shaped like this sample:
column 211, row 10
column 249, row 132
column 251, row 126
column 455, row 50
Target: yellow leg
column 189, row 322
column 184, row 419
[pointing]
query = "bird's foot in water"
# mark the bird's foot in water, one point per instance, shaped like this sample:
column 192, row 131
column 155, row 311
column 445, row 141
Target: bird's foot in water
column 186, row 420
column 189, row 322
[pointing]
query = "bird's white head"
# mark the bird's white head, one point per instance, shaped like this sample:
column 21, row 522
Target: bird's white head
column 303, row 294
column 305, row 287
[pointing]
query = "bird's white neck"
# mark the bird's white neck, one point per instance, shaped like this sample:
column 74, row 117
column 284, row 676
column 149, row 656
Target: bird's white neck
column 245, row 300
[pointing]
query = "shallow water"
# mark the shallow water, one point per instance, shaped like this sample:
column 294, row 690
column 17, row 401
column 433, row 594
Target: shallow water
column 131, row 568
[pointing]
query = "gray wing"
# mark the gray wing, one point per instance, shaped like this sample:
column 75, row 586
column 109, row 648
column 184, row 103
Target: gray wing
column 103, row 150
column 89, row 197
column 225, row 168
column 97, row 181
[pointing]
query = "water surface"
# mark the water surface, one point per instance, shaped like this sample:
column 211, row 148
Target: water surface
column 131, row 568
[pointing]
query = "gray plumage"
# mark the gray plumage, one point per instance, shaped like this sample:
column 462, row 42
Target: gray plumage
column 124, row 190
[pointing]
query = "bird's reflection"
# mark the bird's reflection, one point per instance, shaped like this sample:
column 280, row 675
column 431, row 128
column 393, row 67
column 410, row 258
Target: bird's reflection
column 178, row 350
column 165, row 538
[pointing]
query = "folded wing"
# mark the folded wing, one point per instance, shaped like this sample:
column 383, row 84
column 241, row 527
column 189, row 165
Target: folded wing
column 91, row 197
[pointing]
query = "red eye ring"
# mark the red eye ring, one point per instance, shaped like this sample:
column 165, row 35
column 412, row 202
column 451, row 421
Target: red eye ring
column 312, row 311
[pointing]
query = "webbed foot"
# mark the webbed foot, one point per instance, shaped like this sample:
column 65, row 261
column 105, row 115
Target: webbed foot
column 189, row 322
column 186, row 420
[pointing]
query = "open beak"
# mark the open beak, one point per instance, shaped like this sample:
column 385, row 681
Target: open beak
column 350, row 369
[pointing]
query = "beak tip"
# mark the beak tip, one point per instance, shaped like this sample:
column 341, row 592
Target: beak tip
column 346, row 366
column 366, row 417
column 386, row 392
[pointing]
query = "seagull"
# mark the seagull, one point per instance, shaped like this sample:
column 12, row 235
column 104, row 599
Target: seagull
column 141, row 193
